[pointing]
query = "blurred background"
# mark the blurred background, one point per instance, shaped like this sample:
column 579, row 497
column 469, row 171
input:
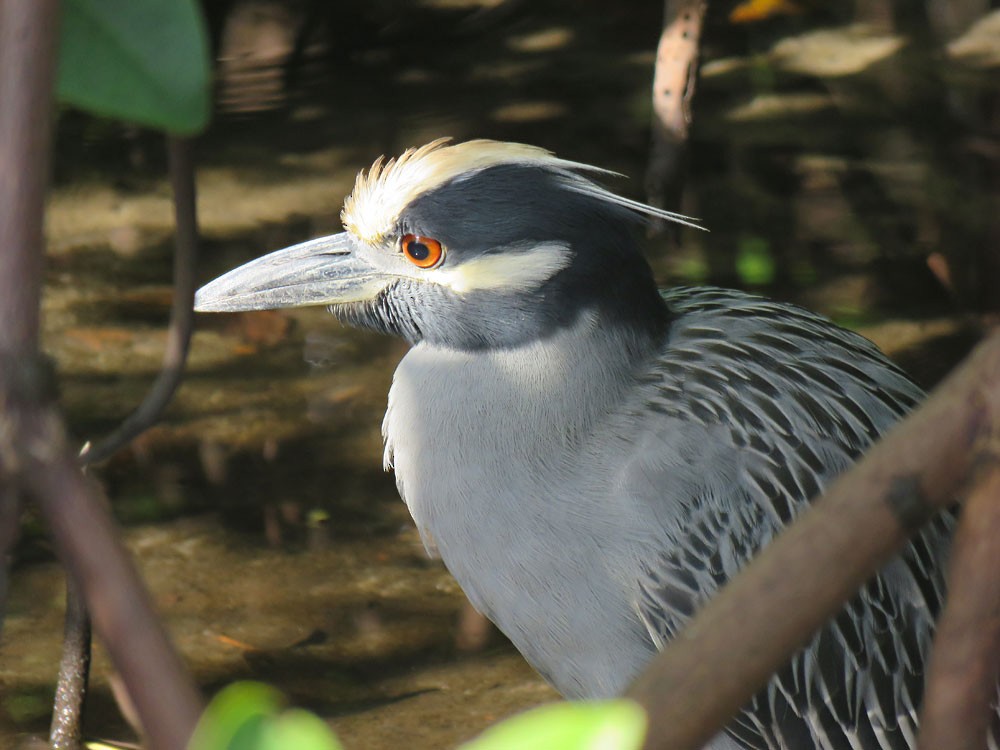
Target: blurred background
column 845, row 156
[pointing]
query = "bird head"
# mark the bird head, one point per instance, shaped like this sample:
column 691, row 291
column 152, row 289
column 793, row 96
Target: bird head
column 473, row 245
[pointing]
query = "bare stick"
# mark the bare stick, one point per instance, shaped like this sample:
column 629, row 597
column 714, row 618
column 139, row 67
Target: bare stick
column 181, row 312
column 733, row 646
column 965, row 662
column 676, row 67
column 27, row 61
column 674, row 77
column 10, row 510
column 74, row 670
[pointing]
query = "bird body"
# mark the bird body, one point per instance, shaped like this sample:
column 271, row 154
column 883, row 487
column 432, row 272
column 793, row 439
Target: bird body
column 637, row 509
column 593, row 459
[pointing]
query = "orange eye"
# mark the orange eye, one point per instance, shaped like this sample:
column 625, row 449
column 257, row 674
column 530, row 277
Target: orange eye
column 423, row 252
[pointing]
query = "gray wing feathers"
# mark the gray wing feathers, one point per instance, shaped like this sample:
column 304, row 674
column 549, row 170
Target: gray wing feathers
column 794, row 400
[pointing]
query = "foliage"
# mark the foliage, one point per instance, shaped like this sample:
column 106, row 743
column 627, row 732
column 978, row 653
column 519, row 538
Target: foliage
column 754, row 262
column 145, row 61
column 249, row 716
column 597, row 725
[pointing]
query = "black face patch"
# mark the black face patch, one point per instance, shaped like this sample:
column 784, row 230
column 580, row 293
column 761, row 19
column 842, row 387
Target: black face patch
column 521, row 206
column 516, row 204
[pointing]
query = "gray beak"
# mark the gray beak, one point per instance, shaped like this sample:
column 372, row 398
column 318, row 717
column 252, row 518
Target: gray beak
column 323, row 271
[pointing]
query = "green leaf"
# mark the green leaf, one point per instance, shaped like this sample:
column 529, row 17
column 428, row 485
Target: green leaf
column 145, row 61
column 234, row 716
column 598, row 725
column 754, row 263
column 246, row 716
column 298, row 730
column 693, row 269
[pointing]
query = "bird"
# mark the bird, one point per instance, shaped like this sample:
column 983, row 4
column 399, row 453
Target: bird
column 593, row 457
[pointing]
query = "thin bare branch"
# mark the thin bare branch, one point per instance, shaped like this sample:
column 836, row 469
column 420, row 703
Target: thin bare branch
column 676, row 67
column 674, row 77
column 181, row 313
column 733, row 646
column 10, row 508
column 74, row 670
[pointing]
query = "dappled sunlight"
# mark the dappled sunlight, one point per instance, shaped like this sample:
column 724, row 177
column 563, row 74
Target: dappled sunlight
column 825, row 164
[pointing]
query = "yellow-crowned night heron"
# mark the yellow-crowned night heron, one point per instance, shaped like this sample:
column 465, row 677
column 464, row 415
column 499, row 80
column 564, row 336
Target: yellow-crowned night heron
column 593, row 458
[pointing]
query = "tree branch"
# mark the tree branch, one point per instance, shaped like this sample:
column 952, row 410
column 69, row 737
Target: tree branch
column 181, row 312
column 733, row 646
column 674, row 78
column 165, row 699
column 27, row 60
column 34, row 456
column 965, row 662
column 65, row 732
column 10, row 511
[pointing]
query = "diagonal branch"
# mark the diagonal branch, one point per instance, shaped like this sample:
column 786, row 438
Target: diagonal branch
column 163, row 694
column 733, row 646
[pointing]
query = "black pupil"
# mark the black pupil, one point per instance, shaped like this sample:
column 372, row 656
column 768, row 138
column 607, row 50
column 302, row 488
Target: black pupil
column 418, row 250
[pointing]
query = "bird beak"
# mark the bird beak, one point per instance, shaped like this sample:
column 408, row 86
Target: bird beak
column 323, row 271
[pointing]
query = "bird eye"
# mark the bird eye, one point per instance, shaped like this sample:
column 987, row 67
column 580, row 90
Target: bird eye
column 423, row 252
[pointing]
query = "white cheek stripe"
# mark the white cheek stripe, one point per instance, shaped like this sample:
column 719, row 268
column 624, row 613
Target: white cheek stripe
column 508, row 270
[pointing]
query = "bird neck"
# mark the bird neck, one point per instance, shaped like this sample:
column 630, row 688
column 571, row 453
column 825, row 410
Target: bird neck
column 613, row 280
column 629, row 306
column 561, row 385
